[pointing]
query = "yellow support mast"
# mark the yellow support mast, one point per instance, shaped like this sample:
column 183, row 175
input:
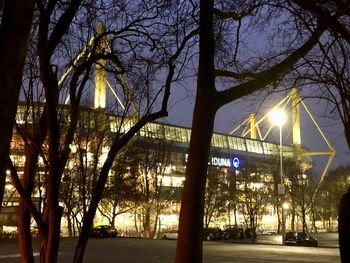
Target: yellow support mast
column 100, row 72
column 295, row 101
column 252, row 122
column 294, row 98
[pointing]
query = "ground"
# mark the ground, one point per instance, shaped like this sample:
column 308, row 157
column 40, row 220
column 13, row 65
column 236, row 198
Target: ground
column 162, row 251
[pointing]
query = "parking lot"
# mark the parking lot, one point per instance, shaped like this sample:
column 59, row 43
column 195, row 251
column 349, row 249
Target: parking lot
column 163, row 251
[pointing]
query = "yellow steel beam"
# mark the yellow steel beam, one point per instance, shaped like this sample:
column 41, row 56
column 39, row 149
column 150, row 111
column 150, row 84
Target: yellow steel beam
column 282, row 103
column 318, row 127
column 252, row 125
column 101, row 81
column 239, row 126
column 76, row 60
column 331, row 152
column 245, row 132
column 125, row 86
column 330, row 159
column 317, row 153
column 116, row 95
column 255, row 127
column 100, row 72
column 295, row 100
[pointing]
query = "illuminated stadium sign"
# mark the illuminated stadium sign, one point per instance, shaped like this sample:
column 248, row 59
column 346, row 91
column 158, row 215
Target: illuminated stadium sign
column 233, row 162
column 236, row 162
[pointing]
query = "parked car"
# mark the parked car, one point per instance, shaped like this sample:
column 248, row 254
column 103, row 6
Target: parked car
column 103, row 231
column 269, row 232
column 172, row 234
column 250, row 233
column 300, row 239
column 233, row 233
column 212, row 233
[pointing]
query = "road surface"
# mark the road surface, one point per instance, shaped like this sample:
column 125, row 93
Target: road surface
column 162, row 251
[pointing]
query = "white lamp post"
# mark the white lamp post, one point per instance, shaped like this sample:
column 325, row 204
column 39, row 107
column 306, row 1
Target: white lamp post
column 304, row 178
column 278, row 118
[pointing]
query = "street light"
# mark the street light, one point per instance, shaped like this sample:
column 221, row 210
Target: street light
column 278, row 118
column 303, row 210
column 285, row 206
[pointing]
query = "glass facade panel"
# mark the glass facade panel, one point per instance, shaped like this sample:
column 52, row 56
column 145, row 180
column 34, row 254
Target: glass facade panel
column 236, row 143
column 270, row 148
column 254, row 146
column 173, row 133
column 113, row 124
column 87, row 120
column 153, row 130
column 219, row 140
column 180, row 134
column 288, row 151
column 185, row 134
column 26, row 114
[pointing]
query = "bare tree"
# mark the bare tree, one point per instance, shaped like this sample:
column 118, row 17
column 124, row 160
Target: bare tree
column 329, row 69
column 299, row 193
column 119, row 192
column 152, row 162
column 254, row 195
column 327, row 73
column 328, row 199
column 211, row 96
column 16, row 20
column 215, row 197
column 334, row 14
column 64, row 34
column 122, row 139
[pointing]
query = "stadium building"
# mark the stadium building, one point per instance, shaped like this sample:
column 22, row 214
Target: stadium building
column 244, row 165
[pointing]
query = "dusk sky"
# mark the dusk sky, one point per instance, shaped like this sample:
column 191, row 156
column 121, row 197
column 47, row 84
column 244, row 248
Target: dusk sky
column 230, row 116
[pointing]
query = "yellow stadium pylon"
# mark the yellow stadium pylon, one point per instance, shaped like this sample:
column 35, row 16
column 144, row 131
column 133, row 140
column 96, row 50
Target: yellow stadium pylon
column 101, row 81
column 251, row 127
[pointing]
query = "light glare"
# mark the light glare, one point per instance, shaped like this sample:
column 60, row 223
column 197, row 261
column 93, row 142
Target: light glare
column 285, row 206
column 278, row 117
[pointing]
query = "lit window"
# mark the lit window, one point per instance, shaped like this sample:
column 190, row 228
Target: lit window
column 236, row 143
column 270, row 148
column 219, row 140
column 254, row 146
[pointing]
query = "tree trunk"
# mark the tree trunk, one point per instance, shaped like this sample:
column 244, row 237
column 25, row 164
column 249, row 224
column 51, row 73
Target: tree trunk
column 24, row 216
column 53, row 213
column 96, row 197
column 189, row 244
column 313, row 217
column 279, row 226
column 15, row 26
column 344, row 227
column 235, row 215
column 69, row 222
column 147, row 221
column 24, row 236
column 43, row 248
column 135, row 219
column 347, row 131
column 54, row 230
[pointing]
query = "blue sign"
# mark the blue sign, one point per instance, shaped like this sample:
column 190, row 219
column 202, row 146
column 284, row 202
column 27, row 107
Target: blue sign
column 236, row 162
